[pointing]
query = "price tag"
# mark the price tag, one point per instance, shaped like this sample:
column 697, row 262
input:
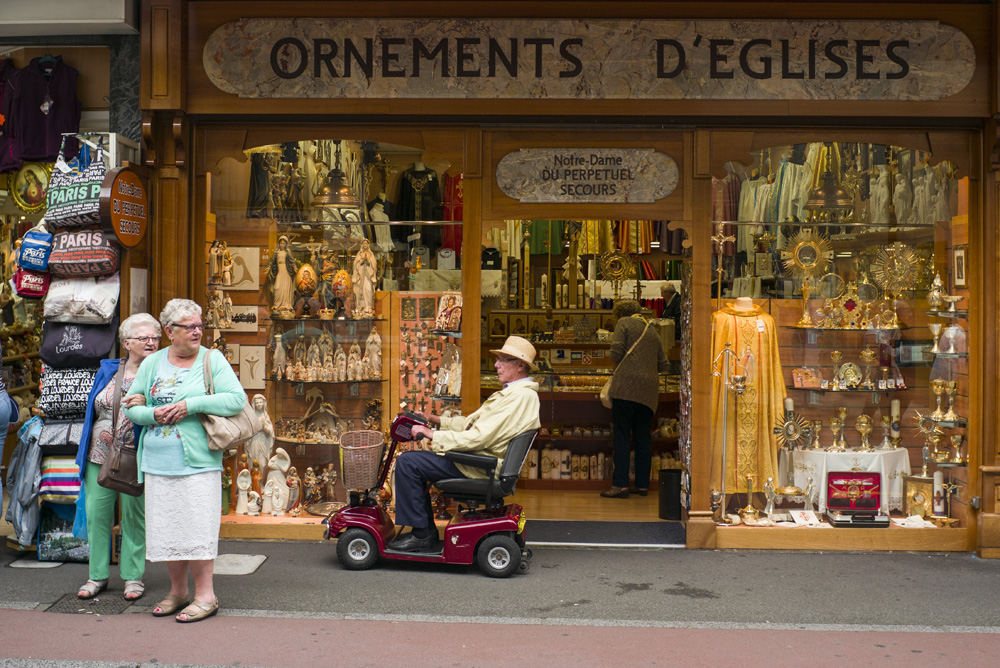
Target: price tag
column 760, row 325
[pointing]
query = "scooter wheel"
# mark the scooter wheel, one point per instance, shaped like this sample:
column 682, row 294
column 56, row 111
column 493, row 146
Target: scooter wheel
column 498, row 556
column 357, row 549
column 526, row 554
column 523, row 566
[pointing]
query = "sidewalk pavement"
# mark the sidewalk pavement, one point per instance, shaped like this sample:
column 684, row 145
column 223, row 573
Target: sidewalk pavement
column 295, row 606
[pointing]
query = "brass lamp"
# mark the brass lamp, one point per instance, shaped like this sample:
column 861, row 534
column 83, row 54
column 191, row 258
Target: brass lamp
column 335, row 193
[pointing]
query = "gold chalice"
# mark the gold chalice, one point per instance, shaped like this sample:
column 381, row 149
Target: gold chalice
column 951, row 390
column 842, row 414
column 868, row 356
column 938, row 385
column 806, row 320
column 886, row 444
column 836, row 356
column 956, row 443
column 939, row 456
column 835, row 424
column 864, row 426
column 817, row 426
column 935, row 328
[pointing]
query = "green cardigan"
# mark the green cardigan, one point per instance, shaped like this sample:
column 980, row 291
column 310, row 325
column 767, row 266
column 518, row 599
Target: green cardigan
column 229, row 399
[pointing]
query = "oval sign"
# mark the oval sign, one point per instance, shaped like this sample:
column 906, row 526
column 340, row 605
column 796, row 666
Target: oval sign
column 124, row 206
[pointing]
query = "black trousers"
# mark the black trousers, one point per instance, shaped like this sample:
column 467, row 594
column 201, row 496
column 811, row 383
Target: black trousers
column 414, row 471
column 633, row 425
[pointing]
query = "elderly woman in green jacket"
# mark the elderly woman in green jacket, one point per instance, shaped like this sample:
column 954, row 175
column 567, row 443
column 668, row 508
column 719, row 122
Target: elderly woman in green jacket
column 182, row 475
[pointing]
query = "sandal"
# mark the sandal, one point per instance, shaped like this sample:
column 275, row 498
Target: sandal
column 198, row 611
column 615, row 493
column 170, row 605
column 134, row 589
column 91, row 589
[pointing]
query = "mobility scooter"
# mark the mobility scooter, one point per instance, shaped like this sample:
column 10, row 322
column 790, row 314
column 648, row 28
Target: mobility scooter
column 491, row 536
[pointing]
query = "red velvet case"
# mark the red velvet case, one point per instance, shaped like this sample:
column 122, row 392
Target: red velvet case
column 853, row 492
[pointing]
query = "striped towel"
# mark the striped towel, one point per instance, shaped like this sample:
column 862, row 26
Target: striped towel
column 60, row 481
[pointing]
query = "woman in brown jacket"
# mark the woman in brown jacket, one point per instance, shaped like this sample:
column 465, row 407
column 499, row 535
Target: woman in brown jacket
column 635, row 393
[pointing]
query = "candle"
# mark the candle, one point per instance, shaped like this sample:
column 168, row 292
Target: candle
column 579, row 296
column 939, row 508
column 545, row 292
column 789, row 405
column 894, row 427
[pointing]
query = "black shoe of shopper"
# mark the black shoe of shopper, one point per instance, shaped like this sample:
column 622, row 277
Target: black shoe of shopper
column 410, row 543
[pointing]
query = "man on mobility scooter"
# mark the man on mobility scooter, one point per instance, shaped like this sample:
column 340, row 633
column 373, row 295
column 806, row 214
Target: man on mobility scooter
column 505, row 414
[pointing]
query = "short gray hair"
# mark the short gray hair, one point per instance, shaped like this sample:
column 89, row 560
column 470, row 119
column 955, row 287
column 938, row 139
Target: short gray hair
column 625, row 307
column 134, row 322
column 177, row 310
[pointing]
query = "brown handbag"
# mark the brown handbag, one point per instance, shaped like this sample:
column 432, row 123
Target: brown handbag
column 120, row 470
column 227, row 431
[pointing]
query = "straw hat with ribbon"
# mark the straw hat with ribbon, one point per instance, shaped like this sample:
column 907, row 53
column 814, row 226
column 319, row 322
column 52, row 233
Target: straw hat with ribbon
column 521, row 348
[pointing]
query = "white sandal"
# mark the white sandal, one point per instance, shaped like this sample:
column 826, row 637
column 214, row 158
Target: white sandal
column 134, row 587
column 91, row 589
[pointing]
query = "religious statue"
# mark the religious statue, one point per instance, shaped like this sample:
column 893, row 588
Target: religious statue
column 325, row 348
column 809, row 494
column 258, row 448
column 879, row 214
column 226, row 263
column 328, row 480
column 281, row 271
column 364, row 279
column 276, row 488
column 212, row 310
column 902, row 200
column 253, row 503
column 214, row 263
column 329, row 373
column 312, row 353
column 294, row 491
column 311, row 492
column 226, row 312
column 455, row 377
column 243, row 482
column 278, row 359
column 769, row 494
column 354, row 362
column 373, row 353
column 255, row 476
column 340, row 364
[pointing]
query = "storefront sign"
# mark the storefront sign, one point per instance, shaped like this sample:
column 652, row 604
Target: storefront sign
column 124, row 206
column 641, row 59
column 587, row 175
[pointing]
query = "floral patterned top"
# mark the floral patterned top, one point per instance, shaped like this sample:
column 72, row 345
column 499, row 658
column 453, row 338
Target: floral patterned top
column 163, row 453
column 100, row 435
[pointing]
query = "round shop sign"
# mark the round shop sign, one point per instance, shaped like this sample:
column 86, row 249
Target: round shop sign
column 124, row 206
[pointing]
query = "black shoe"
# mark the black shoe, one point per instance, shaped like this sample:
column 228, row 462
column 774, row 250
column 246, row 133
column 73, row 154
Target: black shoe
column 636, row 490
column 410, row 543
column 615, row 493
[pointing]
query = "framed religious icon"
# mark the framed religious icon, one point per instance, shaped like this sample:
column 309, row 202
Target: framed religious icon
column 608, row 322
column 427, row 306
column 518, row 324
column 498, row 325
column 536, row 324
column 764, row 264
column 960, row 267
column 408, row 308
column 918, row 496
column 449, row 315
column 29, row 185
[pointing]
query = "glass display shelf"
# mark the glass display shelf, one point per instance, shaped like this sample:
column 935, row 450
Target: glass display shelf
column 957, row 313
column 953, row 355
column 960, row 423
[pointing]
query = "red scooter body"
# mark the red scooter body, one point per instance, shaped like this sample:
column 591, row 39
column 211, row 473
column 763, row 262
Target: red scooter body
column 462, row 537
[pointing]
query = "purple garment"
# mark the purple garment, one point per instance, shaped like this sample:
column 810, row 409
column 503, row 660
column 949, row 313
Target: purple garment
column 7, row 159
column 39, row 88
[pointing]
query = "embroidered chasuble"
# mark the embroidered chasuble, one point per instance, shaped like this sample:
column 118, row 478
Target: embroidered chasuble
column 751, row 445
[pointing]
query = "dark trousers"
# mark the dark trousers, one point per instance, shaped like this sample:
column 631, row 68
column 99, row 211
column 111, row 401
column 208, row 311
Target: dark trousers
column 633, row 424
column 414, row 471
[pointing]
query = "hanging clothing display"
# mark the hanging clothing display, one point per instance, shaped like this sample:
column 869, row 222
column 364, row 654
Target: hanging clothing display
column 259, row 203
column 751, row 447
column 635, row 236
column 7, row 159
column 451, row 235
column 597, row 237
column 420, row 199
column 546, row 237
column 43, row 105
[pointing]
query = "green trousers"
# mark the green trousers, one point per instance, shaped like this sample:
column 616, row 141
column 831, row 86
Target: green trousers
column 100, row 503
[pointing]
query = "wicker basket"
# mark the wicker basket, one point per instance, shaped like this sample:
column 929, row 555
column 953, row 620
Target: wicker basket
column 361, row 453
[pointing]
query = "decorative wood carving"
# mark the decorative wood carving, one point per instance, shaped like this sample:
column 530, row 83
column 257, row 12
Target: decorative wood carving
column 180, row 148
column 148, row 139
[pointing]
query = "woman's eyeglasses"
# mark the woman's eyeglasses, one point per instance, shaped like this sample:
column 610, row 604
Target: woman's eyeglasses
column 190, row 328
column 145, row 339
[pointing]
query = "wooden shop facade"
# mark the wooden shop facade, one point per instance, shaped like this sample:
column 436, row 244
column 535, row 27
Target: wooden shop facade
column 850, row 148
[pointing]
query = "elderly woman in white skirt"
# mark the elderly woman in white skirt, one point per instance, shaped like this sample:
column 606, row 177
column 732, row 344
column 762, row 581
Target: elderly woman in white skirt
column 183, row 476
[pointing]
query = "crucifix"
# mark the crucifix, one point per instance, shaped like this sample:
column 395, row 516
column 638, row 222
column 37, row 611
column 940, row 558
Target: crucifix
column 405, row 372
column 420, row 375
column 423, row 403
column 718, row 240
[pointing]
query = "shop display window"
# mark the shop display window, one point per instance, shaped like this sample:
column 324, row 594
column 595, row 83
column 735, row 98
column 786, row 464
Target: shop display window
column 840, row 338
column 334, row 286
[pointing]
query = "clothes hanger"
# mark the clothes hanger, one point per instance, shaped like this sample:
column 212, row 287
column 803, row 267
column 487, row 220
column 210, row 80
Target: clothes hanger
column 46, row 59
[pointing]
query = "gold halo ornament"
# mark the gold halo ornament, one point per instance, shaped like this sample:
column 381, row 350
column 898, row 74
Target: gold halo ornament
column 616, row 267
column 894, row 268
column 29, row 186
column 808, row 254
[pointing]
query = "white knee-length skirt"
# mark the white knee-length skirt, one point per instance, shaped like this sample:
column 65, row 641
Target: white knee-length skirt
column 183, row 514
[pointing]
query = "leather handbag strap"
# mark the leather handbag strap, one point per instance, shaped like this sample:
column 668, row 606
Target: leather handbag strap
column 116, row 398
column 207, row 372
column 634, row 345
